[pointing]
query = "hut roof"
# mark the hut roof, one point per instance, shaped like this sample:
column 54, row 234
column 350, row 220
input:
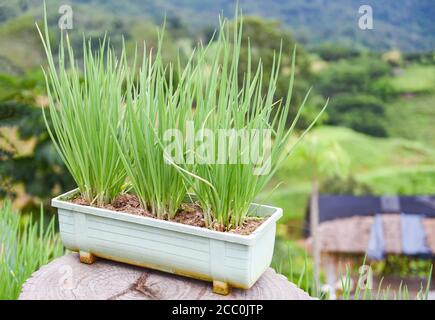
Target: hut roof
column 344, row 206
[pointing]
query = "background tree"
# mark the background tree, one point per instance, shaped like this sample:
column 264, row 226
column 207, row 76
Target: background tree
column 358, row 89
column 334, row 52
column 325, row 158
column 29, row 166
column 363, row 113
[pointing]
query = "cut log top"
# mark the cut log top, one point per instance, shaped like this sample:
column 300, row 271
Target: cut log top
column 66, row 278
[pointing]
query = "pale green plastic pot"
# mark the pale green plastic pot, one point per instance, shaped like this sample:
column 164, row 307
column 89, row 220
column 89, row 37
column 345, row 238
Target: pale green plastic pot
column 227, row 259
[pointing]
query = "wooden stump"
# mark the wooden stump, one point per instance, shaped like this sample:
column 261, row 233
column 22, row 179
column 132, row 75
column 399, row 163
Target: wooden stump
column 67, row 278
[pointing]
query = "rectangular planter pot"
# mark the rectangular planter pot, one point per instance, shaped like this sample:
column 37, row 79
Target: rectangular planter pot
column 227, row 259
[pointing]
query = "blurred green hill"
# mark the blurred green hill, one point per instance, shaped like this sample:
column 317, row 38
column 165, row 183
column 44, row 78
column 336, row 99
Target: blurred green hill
column 406, row 25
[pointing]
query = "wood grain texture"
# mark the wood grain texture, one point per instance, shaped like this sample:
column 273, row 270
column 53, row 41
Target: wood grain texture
column 66, row 278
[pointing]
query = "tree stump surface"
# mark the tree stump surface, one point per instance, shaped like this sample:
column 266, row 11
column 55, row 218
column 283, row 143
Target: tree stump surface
column 66, row 278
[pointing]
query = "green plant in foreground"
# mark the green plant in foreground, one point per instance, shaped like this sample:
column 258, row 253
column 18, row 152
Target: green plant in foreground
column 152, row 108
column 103, row 131
column 297, row 267
column 225, row 189
column 25, row 245
column 83, row 108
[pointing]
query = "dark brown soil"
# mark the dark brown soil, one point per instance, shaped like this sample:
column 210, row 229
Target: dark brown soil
column 190, row 214
column 249, row 226
column 123, row 203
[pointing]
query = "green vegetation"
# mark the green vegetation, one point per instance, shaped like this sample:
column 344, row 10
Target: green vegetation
column 266, row 38
column 357, row 88
column 86, row 115
column 83, row 113
column 227, row 188
column 415, row 79
column 403, row 266
column 403, row 167
column 25, row 245
column 294, row 262
column 360, row 112
column 381, row 110
column 20, row 55
column 363, row 292
column 412, row 118
column 154, row 107
column 405, row 25
column 418, row 180
column 30, row 167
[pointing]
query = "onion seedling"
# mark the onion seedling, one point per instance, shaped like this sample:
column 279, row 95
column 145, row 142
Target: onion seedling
column 226, row 188
column 83, row 107
column 154, row 108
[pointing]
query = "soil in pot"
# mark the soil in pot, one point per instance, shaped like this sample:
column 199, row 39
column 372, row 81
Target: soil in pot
column 190, row 214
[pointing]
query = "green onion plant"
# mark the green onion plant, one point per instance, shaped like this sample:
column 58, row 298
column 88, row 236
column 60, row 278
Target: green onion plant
column 153, row 107
column 107, row 125
column 83, row 107
column 225, row 189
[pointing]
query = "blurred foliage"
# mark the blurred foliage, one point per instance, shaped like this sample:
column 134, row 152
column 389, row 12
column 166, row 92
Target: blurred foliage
column 41, row 171
column 145, row 35
column 360, row 112
column 26, row 245
column 426, row 58
column 266, row 38
column 402, row 266
column 376, row 166
column 405, row 24
column 404, row 181
column 358, row 88
column 325, row 158
column 292, row 260
column 23, row 88
column 348, row 185
column 27, row 155
column 24, row 54
column 412, row 117
column 415, row 79
column 352, row 76
column 334, row 52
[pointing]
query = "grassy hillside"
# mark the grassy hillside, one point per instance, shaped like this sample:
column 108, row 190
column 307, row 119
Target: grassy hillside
column 415, row 79
column 412, row 117
column 384, row 165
